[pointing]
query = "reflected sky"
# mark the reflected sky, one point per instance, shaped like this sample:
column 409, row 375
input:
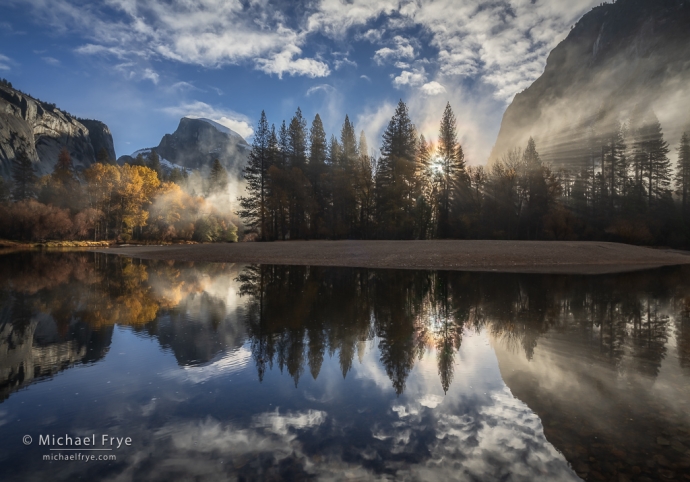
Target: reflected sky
column 291, row 373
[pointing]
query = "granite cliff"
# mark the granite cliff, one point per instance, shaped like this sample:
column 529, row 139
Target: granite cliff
column 196, row 143
column 42, row 130
column 622, row 56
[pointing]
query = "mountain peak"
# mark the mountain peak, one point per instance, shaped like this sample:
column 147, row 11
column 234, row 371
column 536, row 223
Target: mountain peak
column 197, row 142
column 217, row 125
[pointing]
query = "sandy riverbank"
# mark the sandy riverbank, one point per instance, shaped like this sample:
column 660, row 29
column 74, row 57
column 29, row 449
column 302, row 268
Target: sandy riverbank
column 577, row 257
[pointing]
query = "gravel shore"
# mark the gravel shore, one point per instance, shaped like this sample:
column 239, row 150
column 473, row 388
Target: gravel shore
column 573, row 257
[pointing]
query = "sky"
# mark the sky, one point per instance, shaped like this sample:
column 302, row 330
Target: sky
column 141, row 65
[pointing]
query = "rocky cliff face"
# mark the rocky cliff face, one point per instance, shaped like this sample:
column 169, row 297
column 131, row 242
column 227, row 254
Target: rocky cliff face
column 621, row 56
column 100, row 137
column 196, row 143
column 42, row 130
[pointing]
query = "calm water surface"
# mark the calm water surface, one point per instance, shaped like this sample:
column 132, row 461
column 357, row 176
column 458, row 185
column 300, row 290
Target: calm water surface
column 231, row 372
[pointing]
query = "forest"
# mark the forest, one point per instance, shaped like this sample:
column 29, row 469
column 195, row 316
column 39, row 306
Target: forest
column 614, row 182
column 107, row 201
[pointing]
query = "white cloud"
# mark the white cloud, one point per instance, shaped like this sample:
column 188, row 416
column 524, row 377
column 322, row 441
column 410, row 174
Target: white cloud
column 231, row 120
column 283, row 63
column 149, row 74
column 504, row 43
column 210, row 33
column 4, row 62
column 93, row 49
column 345, row 62
column 411, row 78
column 326, row 88
column 371, row 35
column 183, row 87
column 402, row 49
column 51, row 61
column 433, row 88
column 335, row 17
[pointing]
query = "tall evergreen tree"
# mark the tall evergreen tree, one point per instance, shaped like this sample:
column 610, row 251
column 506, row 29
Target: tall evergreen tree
column 154, row 163
column 657, row 165
column 299, row 190
column 218, row 177
column 396, row 180
column 451, row 161
column 279, row 183
column 344, row 178
column 348, row 142
column 253, row 205
column 536, row 190
column 297, row 141
column 23, row 176
column 61, row 188
column 614, row 167
column 103, row 157
column 683, row 173
column 332, row 162
column 426, row 204
column 64, row 168
column 364, row 188
column 318, row 152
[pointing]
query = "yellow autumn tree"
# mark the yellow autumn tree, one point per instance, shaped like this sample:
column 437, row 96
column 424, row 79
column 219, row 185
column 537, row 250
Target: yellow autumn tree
column 102, row 183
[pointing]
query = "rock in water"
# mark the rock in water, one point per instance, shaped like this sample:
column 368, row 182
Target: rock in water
column 622, row 56
column 42, row 131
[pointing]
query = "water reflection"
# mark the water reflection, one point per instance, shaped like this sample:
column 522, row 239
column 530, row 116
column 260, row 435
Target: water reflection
column 598, row 365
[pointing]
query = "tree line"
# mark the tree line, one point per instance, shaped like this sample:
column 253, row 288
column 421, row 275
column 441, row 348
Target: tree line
column 301, row 185
column 106, row 201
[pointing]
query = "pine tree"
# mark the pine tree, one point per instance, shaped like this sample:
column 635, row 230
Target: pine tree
column 139, row 160
column 348, row 142
column 396, row 181
column 218, row 178
column 279, row 182
column 103, row 157
column 64, row 169
column 451, row 161
column 154, row 163
column 536, row 190
column 344, row 200
column 23, row 176
column 657, row 165
column 297, row 141
column 297, row 160
column 683, row 173
column 364, row 187
column 332, row 162
column 318, row 152
column 614, row 165
column 61, row 188
column 283, row 145
column 253, row 205
column 426, row 202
